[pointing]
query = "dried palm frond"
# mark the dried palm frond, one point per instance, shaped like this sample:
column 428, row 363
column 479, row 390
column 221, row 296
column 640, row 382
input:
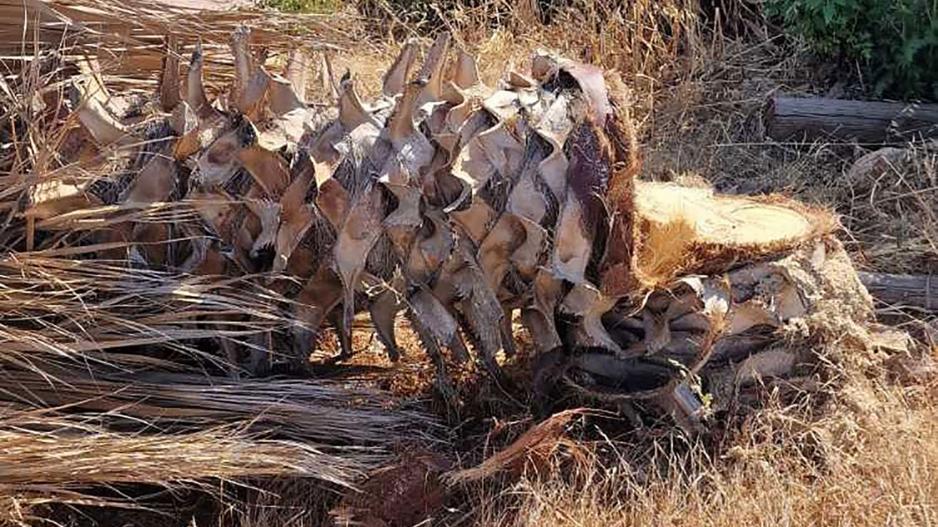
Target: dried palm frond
column 55, row 307
column 127, row 33
column 52, row 458
column 314, row 412
column 42, row 449
column 534, row 447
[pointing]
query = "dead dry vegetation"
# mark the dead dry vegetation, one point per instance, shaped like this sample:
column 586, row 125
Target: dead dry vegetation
column 513, row 272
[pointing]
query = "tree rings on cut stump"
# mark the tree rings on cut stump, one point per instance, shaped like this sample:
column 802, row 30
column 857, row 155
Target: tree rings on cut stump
column 684, row 230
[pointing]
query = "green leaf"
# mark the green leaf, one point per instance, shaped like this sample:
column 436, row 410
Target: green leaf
column 894, row 42
column 829, row 11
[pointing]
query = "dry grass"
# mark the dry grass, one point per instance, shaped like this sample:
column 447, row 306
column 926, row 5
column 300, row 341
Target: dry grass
column 870, row 459
column 126, row 35
column 893, row 209
column 281, row 502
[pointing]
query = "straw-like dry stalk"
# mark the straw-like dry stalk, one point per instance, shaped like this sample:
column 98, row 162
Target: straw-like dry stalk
column 125, row 35
column 42, row 449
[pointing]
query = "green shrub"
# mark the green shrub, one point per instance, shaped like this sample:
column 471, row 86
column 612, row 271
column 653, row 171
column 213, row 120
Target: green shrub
column 895, row 42
column 303, row 6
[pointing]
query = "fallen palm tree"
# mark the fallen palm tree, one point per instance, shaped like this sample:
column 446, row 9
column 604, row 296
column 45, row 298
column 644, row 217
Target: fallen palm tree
column 184, row 232
column 447, row 201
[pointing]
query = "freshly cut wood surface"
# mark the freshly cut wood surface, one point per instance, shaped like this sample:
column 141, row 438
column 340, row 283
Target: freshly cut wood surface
column 693, row 229
column 721, row 219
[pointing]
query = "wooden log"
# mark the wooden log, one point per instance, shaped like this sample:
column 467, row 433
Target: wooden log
column 795, row 118
column 920, row 291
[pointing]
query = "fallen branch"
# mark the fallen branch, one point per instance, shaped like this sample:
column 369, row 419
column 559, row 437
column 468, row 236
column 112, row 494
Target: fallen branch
column 919, row 291
column 792, row 118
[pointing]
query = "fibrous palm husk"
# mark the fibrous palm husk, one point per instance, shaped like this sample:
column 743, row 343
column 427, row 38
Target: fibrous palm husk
column 718, row 333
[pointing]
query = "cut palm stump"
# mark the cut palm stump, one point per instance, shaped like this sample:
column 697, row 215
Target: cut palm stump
column 693, row 230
